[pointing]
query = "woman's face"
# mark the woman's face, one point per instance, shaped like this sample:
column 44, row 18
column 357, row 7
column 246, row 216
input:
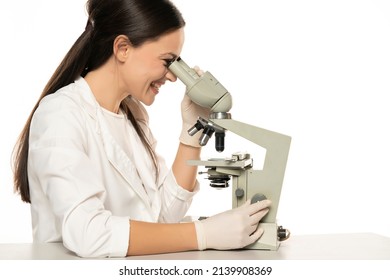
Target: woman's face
column 145, row 70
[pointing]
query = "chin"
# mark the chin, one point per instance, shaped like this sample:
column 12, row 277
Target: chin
column 147, row 102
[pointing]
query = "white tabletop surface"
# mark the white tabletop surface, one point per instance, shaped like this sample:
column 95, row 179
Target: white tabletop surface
column 353, row 246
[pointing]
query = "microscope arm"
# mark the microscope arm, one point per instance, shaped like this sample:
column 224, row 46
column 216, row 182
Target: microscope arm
column 277, row 145
column 270, row 178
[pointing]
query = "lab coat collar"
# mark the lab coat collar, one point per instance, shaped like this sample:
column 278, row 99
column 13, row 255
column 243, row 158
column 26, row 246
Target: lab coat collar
column 87, row 98
column 117, row 157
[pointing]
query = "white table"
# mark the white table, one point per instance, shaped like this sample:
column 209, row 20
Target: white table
column 354, row 246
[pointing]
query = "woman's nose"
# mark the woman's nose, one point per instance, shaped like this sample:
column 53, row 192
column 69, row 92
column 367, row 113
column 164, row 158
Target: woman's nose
column 170, row 76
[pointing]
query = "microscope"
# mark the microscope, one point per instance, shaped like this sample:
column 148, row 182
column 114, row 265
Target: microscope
column 247, row 183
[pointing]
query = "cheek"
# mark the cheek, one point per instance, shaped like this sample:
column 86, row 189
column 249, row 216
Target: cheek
column 146, row 70
column 139, row 74
column 135, row 75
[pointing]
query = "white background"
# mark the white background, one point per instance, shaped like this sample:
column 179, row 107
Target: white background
column 315, row 70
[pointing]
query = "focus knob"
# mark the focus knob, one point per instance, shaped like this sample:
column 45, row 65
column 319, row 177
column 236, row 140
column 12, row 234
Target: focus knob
column 258, row 197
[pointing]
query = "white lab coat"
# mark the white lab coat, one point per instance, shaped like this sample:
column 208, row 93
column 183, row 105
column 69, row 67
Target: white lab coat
column 84, row 188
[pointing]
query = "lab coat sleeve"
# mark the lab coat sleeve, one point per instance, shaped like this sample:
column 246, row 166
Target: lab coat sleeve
column 175, row 200
column 62, row 170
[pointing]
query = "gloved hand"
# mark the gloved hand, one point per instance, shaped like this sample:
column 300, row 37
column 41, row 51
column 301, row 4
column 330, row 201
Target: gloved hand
column 190, row 112
column 232, row 229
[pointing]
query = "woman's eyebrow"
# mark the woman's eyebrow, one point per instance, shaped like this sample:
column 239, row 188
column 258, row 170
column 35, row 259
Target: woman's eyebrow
column 174, row 56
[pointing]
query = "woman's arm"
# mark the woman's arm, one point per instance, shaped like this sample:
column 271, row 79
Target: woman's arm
column 185, row 174
column 155, row 238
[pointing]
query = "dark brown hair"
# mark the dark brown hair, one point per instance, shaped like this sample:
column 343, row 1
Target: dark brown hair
column 139, row 20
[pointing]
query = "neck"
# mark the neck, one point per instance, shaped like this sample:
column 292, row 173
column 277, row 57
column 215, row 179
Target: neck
column 105, row 86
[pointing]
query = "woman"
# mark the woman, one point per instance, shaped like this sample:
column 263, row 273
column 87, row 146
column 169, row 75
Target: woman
column 86, row 158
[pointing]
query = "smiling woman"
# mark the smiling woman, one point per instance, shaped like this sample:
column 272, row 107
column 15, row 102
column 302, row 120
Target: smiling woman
column 135, row 71
column 86, row 158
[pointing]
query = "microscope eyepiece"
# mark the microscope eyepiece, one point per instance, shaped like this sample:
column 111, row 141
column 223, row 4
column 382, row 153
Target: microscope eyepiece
column 170, row 61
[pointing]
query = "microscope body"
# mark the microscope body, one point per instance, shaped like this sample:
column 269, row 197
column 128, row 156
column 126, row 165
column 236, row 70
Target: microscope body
column 247, row 183
column 251, row 184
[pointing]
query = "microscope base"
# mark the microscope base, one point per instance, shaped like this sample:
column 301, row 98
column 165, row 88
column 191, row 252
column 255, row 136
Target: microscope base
column 269, row 239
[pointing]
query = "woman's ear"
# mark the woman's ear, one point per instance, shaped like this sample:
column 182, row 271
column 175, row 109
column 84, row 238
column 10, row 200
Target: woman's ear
column 122, row 48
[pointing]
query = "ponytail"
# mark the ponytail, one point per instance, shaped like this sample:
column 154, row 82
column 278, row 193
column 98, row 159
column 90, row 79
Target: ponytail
column 72, row 66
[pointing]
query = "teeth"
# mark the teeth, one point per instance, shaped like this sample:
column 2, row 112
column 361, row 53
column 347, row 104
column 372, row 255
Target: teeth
column 155, row 85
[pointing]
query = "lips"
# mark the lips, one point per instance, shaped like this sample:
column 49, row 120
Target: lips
column 156, row 86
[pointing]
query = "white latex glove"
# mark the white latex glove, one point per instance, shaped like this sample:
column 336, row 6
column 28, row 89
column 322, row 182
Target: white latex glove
column 232, row 229
column 190, row 112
